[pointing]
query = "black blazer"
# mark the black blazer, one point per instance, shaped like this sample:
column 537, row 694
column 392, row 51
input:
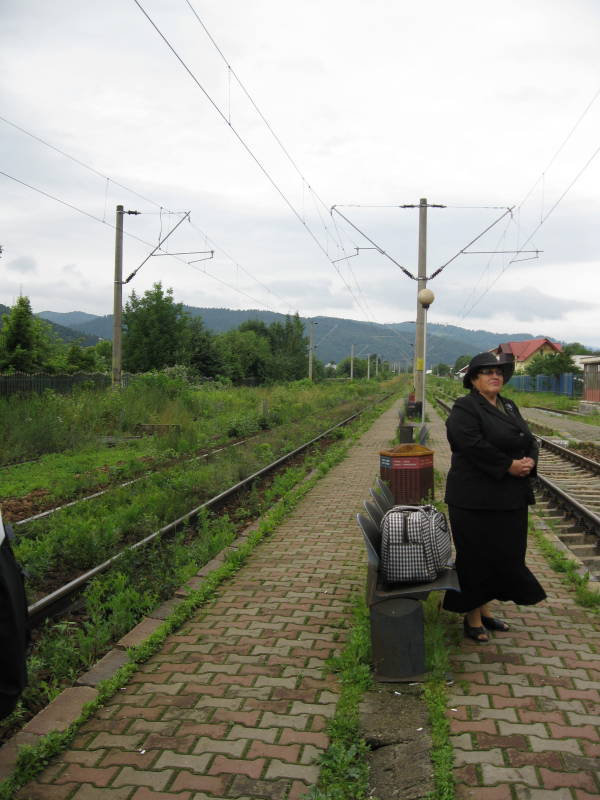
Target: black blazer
column 484, row 442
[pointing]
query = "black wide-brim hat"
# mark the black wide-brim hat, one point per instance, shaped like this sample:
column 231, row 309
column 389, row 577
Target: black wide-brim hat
column 506, row 362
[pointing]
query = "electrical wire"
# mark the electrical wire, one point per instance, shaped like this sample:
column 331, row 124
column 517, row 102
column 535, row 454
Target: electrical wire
column 521, row 248
column 254, row 105
column 375, row 245
column 133, row 236
column 79, row 162
column 460, row 252
column 561, row 147
column 162, row 210
column 238, row 136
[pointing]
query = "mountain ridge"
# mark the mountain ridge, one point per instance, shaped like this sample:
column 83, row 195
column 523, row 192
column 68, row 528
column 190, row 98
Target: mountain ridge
column 334, row 336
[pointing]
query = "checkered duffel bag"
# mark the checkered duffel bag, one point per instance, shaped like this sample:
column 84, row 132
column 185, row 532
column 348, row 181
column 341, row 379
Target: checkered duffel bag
column 415, row 544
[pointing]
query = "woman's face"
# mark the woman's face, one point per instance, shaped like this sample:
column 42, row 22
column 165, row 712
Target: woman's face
column 488, row 381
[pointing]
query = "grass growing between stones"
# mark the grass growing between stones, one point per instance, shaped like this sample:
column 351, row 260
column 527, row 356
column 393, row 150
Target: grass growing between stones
column 32, row 759
column 441, row 637
column 568, row 568
column 344, row 771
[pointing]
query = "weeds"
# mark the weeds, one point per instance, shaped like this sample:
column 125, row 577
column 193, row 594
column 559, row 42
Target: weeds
column 344, row 773
column 32, row 759
column 570, row 569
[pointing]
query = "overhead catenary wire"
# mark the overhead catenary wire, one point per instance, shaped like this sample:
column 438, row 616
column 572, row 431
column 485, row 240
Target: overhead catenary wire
column 238, row 136
column 162, row 210
column 536, row 229
column 131, row 236
column 543, row 216
column 521, row 247
column 223, row 116
column 80, row 163
column 462, row 250
column 560, row 148
column 375, row 245
column 232, row 72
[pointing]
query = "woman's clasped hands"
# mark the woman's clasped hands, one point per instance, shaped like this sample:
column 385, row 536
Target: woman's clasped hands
column 521, row 467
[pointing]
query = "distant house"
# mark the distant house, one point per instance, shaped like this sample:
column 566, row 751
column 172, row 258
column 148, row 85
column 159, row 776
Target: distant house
column 591, row 379
column 525, row 351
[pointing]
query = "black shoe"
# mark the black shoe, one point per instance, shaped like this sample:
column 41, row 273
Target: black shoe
column 495, row 624
column 475, row 633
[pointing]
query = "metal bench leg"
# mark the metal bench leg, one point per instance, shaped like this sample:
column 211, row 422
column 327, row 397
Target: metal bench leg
column 397, row 640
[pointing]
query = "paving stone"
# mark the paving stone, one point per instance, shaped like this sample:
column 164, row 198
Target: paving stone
column 559, row 745
column 140, row 633
column 478, row 757
column 281, row 769
column 35, row 791
column 137, row 777
column 492, row 774
column 104, row 668
column 526, row 793
column 62, row 711
column 196, row 763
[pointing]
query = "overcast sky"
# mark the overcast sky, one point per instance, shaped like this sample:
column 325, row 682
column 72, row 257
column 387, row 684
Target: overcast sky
column 472, row 105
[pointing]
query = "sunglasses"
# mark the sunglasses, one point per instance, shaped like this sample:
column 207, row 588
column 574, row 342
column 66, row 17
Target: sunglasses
column 491, row 371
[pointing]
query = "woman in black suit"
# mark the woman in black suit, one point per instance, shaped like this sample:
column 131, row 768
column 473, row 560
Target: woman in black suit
column 487, row 492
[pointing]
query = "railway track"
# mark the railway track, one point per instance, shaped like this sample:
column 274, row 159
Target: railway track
column 567, row 491
column 64, row 599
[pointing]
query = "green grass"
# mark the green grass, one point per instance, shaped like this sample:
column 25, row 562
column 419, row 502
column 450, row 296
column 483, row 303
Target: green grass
column 122, row 597
column 344, row 773
column 567, row 568
column 37, row 424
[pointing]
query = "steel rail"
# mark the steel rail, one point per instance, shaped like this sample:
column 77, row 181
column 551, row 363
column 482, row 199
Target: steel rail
column 569, row 504
column 583, row 461
column 573, row 506
column 148, row 474
column 42, row 608
column 559, row 411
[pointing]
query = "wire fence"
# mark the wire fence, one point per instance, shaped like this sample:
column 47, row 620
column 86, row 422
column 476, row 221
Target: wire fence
column 23, row 383
column 567, row 384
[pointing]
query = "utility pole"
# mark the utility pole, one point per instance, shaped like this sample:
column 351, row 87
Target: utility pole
column 369, row 367
column 311, row 347
column 117, row 300
column 352, row 362
column 117, row 349
column 420, row 327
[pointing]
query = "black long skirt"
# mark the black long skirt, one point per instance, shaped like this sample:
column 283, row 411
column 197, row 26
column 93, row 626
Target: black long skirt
column 490, row 559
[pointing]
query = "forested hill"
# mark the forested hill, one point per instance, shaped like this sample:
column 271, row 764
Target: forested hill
column 334, row 337
column 62, row 329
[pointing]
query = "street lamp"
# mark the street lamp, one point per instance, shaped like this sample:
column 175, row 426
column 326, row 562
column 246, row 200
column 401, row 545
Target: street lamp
column 425, row 298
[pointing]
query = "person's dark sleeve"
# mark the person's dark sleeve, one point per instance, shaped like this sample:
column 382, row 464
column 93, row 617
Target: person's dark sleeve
column 466, row 437
column 533, row 450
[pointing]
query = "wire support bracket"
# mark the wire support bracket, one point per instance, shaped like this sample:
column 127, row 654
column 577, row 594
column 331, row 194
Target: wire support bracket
column 375, row 245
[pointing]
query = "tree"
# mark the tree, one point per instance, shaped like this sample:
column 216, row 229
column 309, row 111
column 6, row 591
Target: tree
column 26, row 342
column 551, row 364
column 442, row 369
column 81, row 359
column 202, row 352
column 289, row 347
column 359, row 368
column 578, row 349
column 156, row 331
column 244, row 355
column 103, row 350
column 461, row 362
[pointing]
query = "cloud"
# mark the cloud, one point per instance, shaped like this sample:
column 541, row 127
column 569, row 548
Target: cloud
column 72, row 271
column 526, row 305
column 22, row 264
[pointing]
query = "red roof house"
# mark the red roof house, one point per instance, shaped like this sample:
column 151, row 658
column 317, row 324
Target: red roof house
column 528, row 349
